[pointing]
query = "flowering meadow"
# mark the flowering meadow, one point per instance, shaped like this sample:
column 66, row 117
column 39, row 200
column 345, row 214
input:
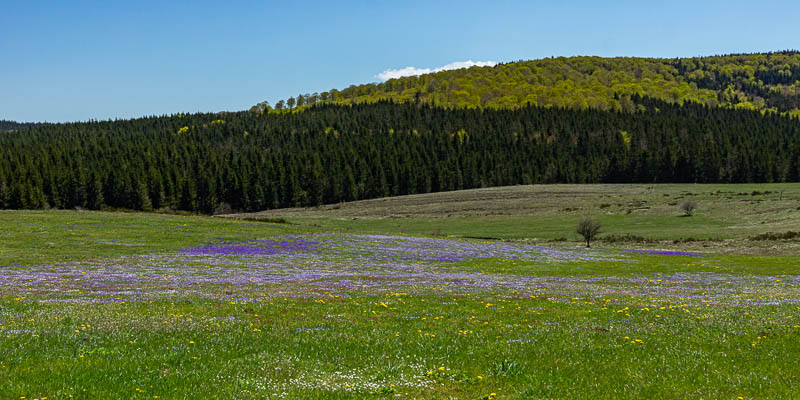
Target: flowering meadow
column 254, row 311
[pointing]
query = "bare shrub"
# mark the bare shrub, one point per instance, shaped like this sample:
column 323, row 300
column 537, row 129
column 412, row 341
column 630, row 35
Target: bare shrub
column 223, row 208
column 588, row 228
column 688, row 207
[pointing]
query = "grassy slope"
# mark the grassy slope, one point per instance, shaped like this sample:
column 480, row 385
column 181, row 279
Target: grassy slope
column 726, row 213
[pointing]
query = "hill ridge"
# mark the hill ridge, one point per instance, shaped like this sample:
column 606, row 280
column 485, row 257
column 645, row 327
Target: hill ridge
column 760, row 81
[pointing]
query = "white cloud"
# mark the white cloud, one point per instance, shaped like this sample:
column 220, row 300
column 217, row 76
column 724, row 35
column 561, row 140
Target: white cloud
column 412, row 71
column 397, row 73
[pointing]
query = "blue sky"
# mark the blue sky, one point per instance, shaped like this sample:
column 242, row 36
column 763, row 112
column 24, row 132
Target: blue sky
column 79, row 60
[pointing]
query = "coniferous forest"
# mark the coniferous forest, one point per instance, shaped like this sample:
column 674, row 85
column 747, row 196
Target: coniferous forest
column 331, row 153
column 13, row 125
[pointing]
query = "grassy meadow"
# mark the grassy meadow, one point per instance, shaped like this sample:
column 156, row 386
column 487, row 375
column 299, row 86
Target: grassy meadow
column 484, row 294
column 726, row 214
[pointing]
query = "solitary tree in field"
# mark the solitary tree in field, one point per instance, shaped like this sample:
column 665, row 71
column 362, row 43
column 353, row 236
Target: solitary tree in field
column 588, row 228
column 688, row 207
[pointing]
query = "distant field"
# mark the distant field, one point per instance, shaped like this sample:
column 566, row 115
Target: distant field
column 372, row 300
column 726, row 214
column 42, row 237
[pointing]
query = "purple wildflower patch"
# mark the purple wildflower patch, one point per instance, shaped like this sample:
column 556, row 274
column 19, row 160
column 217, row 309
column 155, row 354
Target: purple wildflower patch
column 312, row 265
column 666, row 253
column 257, row 248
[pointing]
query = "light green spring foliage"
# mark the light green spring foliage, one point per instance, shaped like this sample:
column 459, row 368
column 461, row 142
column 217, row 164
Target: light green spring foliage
column 751, row 81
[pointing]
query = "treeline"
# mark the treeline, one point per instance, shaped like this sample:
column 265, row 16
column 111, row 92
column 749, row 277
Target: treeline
column 332, row 153
column 16, row 126
column 762, row 81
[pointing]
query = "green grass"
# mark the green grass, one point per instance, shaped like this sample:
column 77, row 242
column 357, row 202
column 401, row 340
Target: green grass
column 43, row 237
column 520, row 348
column 545, row 227
column 722, row 326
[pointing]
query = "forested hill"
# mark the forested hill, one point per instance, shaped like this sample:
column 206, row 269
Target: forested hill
column 16, row 126
column 766, row 81
column 332, row 153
